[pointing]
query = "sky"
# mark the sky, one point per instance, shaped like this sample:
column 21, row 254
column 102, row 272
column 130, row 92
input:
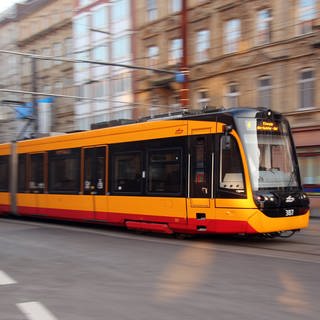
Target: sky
column 5, row 4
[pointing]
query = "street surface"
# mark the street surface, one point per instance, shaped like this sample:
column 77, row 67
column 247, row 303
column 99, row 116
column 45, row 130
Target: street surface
column 59, row 271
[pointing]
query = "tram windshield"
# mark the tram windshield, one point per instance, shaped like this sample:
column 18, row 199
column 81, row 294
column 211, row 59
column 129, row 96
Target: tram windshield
column 269, row 154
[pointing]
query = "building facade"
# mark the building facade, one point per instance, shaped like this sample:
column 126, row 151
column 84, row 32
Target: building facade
column 103, row 32
column 45, row 29
column 9, row 76
column 238, row 53
column 233, row 53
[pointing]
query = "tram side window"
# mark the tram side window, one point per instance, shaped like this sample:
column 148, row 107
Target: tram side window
column 231, row 170
column 4, row 173
column 64, row 171
column 22, row 173
column 127, row 172
column 36, row 182
column 164, row 171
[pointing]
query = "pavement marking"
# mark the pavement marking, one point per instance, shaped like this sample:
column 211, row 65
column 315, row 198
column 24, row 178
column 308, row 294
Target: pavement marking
column 5, row 279
column 35, row 311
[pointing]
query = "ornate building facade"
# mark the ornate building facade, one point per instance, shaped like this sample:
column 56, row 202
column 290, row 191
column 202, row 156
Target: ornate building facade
column 45, row 28
column 238, row 53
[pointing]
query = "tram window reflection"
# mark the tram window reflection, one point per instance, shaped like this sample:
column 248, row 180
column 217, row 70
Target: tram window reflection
column 64, row 171
column 22, row 173
column 36, row 181
column 127, row 175
column 231, row 169
column 164, row 171
column 4, row 176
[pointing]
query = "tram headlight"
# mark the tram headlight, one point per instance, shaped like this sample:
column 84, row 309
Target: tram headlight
column 259, row 200
column 265, row 200
column 304, row 199
column 303, row 196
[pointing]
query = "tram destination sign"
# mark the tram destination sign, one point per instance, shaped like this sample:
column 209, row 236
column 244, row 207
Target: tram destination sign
column 267, row 126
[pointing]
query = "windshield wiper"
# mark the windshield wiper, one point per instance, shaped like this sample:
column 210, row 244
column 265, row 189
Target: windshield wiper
column 293, row 177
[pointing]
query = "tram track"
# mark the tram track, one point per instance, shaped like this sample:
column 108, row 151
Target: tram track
column 296, row 248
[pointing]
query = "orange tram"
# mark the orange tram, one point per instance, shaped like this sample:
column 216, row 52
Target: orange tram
column 229, row 171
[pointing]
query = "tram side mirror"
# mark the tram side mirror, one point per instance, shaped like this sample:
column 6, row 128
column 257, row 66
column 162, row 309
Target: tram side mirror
column 226, row 139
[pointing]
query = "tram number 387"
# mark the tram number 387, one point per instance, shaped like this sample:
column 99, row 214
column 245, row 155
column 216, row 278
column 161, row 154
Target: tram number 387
column 289, row 212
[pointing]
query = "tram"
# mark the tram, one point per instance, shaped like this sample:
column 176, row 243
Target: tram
column 232, row 171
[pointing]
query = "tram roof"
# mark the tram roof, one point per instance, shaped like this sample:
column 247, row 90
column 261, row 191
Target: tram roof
column 212, row 114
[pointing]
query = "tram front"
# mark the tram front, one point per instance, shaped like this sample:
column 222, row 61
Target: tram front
column 274, row 172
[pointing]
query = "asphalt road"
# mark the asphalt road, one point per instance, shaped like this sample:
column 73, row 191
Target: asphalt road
column 51, row 271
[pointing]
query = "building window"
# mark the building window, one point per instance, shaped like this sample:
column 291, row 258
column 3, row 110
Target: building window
column 232, row 33
column 121, row 48
column 12, row 64
column 155, row 107
column 153, row 56
column 80, row 26
column 203, row 98
column 264, row 92
column 122, row 83
column 58, row 86
column 175, row 102
column 46, row 63
column 306, row 15
column 100, row 89
column 120, row 10
column 99, row 53
column 306, row 88
column 83, row 3
column 175, row 51
column 264, row 20
column 57, row 52
column 202, row 45
column 68, row 47
column 152, row 10
column 232, row 95
column 99, row 18
column 175, row 5
column 82, row 55
column 309, row 159
column 84, row 123
column 26, row 66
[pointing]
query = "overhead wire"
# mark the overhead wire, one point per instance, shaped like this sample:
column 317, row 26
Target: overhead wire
column 289, row 24
column 267, row 46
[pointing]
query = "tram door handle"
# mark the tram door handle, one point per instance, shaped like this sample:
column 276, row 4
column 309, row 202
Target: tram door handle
column 204, row 190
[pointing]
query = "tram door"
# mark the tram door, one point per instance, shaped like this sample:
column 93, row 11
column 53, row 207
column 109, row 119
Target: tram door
column 200, row 203
column 36, row 180
column 94, row 180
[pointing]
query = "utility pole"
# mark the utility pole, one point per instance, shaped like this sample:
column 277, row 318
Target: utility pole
column 184, row 96
column 34, row 98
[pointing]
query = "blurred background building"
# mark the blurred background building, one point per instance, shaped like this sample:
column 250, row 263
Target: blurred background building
column 45, row 28
column 9, row 74
column 103, row 31
column 233, row 53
